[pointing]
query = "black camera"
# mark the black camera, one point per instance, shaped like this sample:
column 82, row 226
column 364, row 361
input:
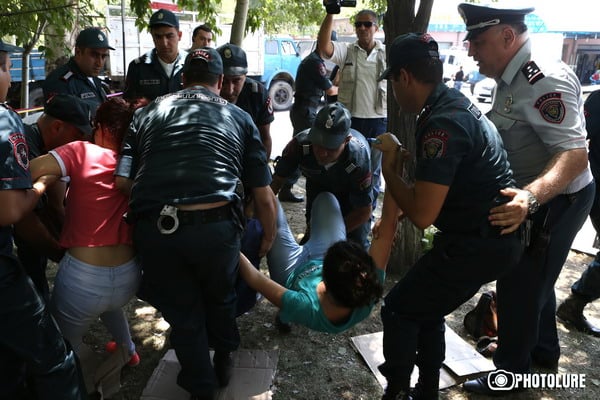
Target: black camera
column 334, row 6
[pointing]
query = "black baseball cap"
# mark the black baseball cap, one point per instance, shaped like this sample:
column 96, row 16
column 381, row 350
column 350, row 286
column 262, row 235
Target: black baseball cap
column 407, row 48
column 331, row 126
column 164, row 17
column 71, row 109
column 234, row 59
column 9, row 48
column 479, row 18
column 207, row 54
column 92, row 38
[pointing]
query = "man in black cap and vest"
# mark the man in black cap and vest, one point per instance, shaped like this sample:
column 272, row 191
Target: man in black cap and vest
column 30, row 340
column 334, row 158
column 187, row 160
column 158, row 71
column 538, row 110
column 79, row 76
column 461, row 166
column 66, row 118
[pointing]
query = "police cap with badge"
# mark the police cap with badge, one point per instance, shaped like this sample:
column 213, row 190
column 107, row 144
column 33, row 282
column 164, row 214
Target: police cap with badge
column 92, row 38
column 331, row 126
column 479, row 18
column 164, row 17
column 205, row 55
column 234, row 60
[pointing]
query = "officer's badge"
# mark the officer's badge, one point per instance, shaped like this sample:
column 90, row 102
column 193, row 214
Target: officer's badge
column 434, row 144
column 227, row 52
column 20, row 150
column 160, row 16
column 329, row 122
column 551, row 107
column 100, row 38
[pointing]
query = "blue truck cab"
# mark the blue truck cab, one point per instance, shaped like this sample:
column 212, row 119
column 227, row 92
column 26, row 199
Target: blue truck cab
column 37, row 74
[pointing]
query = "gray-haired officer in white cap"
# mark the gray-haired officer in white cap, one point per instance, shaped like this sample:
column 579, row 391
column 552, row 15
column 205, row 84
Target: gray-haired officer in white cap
column 538, row 110
column 79, row 76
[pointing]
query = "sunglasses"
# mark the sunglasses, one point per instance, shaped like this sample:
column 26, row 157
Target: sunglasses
column 366, row 24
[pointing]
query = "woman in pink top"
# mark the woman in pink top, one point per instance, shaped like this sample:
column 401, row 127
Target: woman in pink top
column 99, row 273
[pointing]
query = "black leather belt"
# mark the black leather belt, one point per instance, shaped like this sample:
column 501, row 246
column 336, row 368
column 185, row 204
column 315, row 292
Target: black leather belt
column 169, row 218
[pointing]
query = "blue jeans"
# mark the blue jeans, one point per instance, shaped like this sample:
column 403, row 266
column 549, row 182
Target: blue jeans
column 83, row 292
column 326, row 228
column 30, row 339
column 371, row 128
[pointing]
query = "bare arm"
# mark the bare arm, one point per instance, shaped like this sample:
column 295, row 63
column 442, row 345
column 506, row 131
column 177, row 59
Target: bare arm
column 277, row 183
column 265, row 211
column 265, row 137
column 560, row 171
column 420, row 202
column 124, row 185
column 16, row 203
column 384, row 232
column 44, row 165
column 258, row 281
column 324, row 37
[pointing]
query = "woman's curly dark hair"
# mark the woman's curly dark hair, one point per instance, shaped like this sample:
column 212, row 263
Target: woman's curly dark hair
column 350, row 275
column 115, row 116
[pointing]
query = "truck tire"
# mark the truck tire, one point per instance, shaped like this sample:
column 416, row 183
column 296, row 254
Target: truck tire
column 282, row 95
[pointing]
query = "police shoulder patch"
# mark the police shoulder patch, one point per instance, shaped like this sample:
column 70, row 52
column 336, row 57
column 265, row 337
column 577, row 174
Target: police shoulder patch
column 20, row 150
column 322, row 69
column 551, row 107
column 435, row 143
column 365, row 181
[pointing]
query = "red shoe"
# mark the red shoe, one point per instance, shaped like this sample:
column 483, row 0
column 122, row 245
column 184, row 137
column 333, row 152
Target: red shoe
column 112, row 347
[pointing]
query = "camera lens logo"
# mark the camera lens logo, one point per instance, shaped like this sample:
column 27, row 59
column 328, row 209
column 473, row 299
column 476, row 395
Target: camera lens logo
column 501, row 380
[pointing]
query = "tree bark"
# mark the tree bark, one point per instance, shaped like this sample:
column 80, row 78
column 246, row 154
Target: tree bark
column 402, row 17
column 238, row 26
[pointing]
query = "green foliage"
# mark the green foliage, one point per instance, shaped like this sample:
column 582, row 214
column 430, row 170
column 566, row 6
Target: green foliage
column 207, row 10
column 26, row 20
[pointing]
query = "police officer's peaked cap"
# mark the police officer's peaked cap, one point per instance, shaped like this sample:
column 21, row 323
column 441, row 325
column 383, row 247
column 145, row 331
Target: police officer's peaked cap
column 71, row 109
column 207, row 55
column 234, row 59
column 164, row 17
column 9, row 48
column 478, row 18
column 407, row 48
column 591, row 108
column 92, row 38
column 331, row 126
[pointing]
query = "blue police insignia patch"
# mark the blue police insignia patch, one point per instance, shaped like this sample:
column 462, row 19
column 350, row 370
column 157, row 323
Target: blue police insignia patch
column 322, row 69
column 20, row 151
column 434, row 144
column 551, row 107
column 365, row 182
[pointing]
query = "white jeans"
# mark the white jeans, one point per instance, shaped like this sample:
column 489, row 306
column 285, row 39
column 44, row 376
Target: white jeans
column 326, row 228
column 83, row 292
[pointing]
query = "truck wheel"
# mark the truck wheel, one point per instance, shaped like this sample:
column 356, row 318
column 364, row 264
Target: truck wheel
column 282, row 95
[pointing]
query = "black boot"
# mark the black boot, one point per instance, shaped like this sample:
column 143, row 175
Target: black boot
column 571, row 313
column 286, row 195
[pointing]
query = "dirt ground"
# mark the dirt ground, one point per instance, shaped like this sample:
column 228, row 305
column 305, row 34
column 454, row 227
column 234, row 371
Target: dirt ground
column 320, row 366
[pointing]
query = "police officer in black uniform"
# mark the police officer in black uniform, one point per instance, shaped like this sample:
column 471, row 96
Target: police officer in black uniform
column 158, row 71
column 66, row 118
column 79, row 76
column 29, row 337
column 246, row 93
column 187, row 158
column 333, row 158
column 461, row 167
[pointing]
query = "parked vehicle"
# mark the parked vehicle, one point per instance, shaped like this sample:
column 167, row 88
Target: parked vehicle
column 37, row 74
column 473, row 77
column 483, row 90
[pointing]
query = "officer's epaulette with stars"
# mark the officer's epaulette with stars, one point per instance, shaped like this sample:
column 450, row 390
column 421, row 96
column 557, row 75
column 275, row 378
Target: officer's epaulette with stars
column 532, row 72
column 67, row 76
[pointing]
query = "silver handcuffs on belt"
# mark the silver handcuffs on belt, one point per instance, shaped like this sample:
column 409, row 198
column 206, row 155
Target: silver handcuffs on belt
column 168, row 217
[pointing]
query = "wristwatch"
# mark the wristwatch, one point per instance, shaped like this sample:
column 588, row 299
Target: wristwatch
column 532, row 203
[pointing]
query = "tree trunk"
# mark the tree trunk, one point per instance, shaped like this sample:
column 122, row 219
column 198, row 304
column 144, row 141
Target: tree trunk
column 238, row 27
column 401, row 17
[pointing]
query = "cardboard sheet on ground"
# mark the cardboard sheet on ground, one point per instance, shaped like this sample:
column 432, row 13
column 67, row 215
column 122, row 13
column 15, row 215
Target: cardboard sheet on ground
column 253, row 373
column 102, row 373
column 462, row 360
